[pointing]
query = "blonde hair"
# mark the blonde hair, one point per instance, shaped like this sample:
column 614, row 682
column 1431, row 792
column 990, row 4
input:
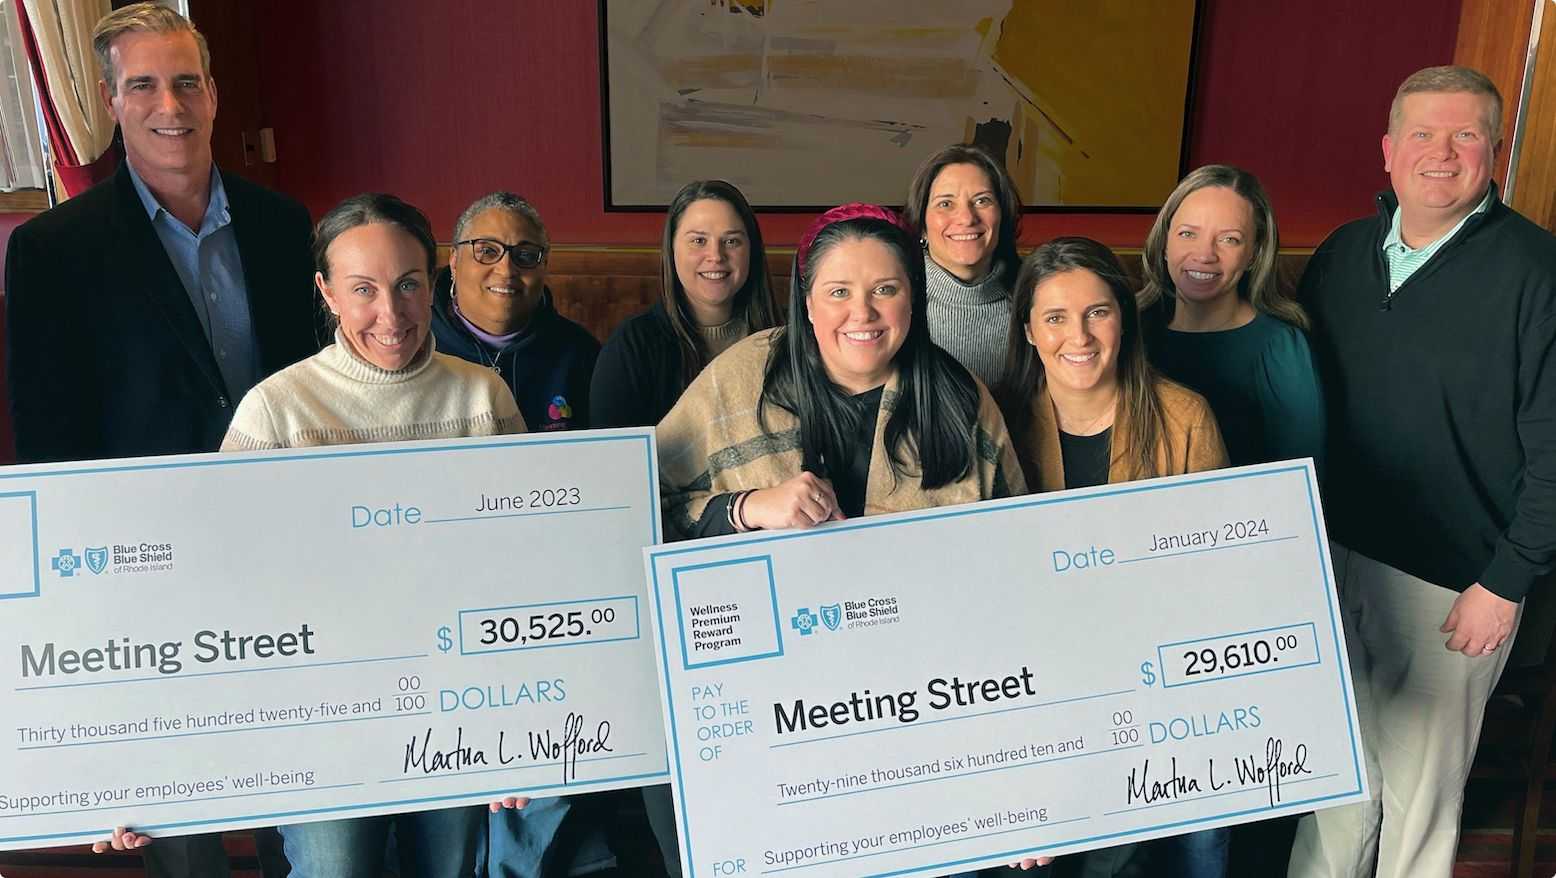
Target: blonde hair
column 1449, row 79
column 1259, row 284
column 141, row 18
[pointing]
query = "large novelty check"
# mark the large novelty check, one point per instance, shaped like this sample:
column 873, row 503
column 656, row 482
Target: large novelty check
column 930, row 692
column 220, row 641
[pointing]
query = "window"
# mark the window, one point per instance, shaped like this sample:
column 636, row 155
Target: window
column 21, row 153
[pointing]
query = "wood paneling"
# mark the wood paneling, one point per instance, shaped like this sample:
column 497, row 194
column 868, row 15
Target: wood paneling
column 1494, row 39
column 1534, row 190
column 601, row 286
column 24, row 201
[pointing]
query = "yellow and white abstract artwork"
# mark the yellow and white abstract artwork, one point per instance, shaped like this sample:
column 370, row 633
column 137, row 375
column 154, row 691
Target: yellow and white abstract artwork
column 807, row 103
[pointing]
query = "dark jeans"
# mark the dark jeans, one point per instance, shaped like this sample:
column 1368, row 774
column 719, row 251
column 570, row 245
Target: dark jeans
column 431, row 844
column 187, row 856
column 1200, row 854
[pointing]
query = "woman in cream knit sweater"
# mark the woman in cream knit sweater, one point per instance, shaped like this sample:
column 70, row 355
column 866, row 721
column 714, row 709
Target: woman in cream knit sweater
column 380, row 381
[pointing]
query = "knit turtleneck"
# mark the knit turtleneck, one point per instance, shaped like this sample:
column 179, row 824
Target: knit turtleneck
column 343, row 358
column 970, row 320
column 335, row 397
column 719, row 338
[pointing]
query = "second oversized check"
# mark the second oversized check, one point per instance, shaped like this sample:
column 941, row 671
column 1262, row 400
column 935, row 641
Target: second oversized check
column 219, row 641
column 935, row 691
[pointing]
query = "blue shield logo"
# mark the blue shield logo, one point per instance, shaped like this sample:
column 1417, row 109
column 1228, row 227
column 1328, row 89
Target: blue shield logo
column 97, row 558
column 832, row 615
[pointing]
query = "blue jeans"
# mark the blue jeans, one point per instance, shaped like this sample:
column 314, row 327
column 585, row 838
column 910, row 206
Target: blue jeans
column 522, row 843
column 432, row 844
column 1200, row 854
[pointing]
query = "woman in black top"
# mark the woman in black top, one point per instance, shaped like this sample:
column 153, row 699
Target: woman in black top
column 714, row 290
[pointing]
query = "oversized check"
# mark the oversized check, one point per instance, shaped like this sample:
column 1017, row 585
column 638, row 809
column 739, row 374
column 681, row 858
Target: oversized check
column 931, row 692
column 221, row 641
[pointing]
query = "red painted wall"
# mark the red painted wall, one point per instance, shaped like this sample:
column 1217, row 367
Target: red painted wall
column 8, row 223
column 442, row 102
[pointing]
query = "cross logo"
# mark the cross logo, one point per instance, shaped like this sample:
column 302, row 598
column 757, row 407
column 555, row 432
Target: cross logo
column 804, row 621
column 66, row 563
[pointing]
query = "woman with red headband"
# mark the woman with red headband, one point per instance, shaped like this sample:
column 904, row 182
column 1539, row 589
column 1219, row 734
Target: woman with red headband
column 850, row 410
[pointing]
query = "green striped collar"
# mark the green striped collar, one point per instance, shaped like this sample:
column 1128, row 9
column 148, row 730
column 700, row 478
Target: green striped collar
column 1403, row 261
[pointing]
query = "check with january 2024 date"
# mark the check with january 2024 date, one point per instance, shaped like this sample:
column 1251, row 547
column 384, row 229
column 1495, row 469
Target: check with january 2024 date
column 937, row 691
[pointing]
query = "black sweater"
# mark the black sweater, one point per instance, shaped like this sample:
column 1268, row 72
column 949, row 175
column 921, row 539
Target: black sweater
column 548, row 366
column 1441, row 400
column 638, row 377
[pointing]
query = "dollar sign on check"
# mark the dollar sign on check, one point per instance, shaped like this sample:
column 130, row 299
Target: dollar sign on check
column 445, row 641
column 1148, row 673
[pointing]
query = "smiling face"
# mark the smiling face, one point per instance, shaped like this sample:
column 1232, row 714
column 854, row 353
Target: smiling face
column 164, row 104
column 1440, row 155
column 712, row 258
column 378, row 288
column 1210, row 244
column 962, row 221
column 860, row 304
column 498, row 298
column 1076, row 327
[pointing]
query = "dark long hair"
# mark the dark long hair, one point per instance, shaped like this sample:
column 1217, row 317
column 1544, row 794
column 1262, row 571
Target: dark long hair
column 753, row 301
column 1005, row 256
column 933, row 427
column 1138, row 400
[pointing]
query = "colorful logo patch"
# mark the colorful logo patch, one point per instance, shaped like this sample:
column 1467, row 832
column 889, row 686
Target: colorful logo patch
column 559, row 410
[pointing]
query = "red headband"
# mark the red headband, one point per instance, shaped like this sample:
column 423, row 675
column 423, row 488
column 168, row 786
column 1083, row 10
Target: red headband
column 842, row 213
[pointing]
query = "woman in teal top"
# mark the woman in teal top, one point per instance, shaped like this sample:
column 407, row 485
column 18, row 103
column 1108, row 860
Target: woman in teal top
column 1219, row 323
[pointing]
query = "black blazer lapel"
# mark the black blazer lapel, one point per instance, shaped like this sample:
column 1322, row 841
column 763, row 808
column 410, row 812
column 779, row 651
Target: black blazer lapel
column 152, row 272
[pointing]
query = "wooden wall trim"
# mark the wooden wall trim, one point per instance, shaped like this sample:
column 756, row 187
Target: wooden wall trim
column 1534, row 190
column 24, row 201
column 1494, row 39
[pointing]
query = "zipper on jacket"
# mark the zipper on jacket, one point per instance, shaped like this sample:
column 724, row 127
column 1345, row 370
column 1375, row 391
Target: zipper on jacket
column 1475, row 219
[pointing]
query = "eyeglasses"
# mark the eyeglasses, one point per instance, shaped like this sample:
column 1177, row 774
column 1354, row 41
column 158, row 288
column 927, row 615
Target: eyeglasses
column 489, row 252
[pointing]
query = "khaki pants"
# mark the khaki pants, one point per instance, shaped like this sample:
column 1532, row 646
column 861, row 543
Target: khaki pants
column 1420, row 708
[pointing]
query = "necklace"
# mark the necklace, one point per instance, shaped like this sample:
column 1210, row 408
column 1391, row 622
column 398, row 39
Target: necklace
column 489, row 360
column 1090, row 427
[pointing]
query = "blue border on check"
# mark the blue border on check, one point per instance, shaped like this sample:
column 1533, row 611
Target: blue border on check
column 1304, row 470
column 37, row 576
column 772, row 588
column 203, row 461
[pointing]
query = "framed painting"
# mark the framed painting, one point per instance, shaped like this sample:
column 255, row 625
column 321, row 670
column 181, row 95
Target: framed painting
column 809, row 103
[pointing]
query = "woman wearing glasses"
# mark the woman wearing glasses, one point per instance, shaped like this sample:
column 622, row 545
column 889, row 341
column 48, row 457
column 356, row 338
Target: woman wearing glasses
column 491, row 307
column 382, row 380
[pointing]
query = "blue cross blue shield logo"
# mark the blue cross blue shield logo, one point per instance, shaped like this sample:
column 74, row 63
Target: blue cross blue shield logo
column 832, row 615
column 97, row 558
column 65, row 562
column 803, row 621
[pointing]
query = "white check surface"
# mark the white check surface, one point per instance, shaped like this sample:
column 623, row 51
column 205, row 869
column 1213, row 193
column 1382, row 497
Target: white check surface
column 932, row 692
column 220, row 641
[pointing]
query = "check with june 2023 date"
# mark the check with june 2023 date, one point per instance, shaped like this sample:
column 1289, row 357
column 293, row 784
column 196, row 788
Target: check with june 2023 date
column 937, row 691
column 221, row 641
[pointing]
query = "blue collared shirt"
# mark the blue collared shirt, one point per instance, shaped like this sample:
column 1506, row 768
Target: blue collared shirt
column 211, row 269
column 1403, row 260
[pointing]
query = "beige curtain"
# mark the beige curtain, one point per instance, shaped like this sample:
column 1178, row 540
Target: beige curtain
column 21, row 155
column 63, row 31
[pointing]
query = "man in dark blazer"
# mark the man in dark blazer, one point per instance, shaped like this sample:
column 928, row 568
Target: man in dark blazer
column 141, row 311
column 108, row 356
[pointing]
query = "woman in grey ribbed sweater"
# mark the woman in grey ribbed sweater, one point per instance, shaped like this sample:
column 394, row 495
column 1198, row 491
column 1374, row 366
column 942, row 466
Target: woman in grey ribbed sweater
column 966, row 211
